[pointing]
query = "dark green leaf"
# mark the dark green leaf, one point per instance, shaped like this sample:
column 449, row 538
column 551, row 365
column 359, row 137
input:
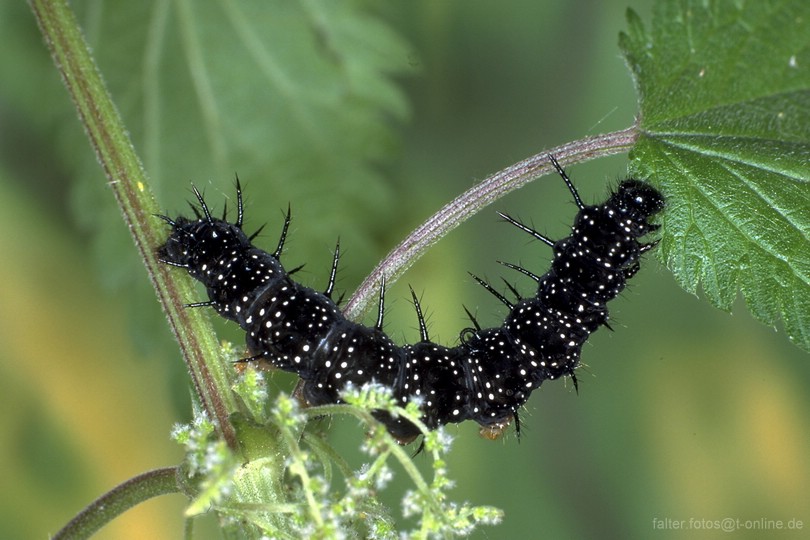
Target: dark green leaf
column 725, row 128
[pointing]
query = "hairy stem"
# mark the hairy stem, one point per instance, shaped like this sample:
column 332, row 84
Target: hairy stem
column 472, row 201
column 119, row 499
column 128, row 182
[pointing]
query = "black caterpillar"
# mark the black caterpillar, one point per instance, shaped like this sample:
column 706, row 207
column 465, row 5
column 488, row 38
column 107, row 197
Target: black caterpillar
column 486, row 378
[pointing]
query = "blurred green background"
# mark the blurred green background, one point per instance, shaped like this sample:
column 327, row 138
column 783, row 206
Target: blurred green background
column 683, row 412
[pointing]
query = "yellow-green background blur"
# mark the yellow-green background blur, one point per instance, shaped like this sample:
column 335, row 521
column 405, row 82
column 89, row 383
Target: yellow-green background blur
column 684, row 412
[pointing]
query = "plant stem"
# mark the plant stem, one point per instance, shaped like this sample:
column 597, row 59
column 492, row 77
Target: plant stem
column 472, row 201
column 116, row 501
column 127, row 180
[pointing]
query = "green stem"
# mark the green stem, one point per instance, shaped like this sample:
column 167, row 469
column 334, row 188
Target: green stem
column 119, row 499
column 128, row 182
column 472, row 201
column 298, row 467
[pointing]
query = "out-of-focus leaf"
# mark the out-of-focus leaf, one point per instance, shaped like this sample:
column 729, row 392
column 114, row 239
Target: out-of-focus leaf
column 297, row 98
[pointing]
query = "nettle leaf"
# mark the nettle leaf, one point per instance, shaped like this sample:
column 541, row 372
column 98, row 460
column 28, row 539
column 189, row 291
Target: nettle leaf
column 725, row 128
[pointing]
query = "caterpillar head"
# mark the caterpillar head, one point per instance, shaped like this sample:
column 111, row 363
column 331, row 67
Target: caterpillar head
column 200, row 244
column 637, row 201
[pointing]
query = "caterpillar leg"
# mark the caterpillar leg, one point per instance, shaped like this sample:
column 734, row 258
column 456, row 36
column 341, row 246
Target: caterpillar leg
column 494, row 431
